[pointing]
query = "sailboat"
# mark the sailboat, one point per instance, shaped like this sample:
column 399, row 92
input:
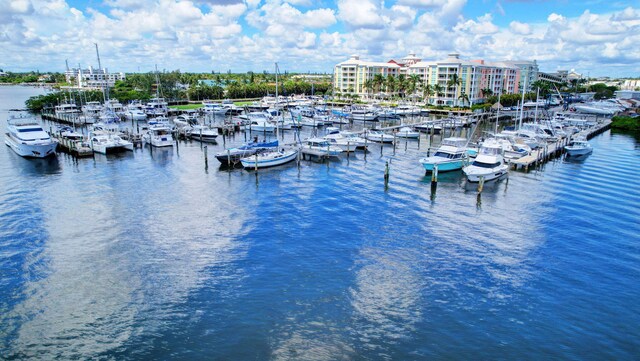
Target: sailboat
column 271, row 158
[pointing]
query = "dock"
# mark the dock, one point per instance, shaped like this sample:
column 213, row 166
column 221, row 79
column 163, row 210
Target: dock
column 553, row 149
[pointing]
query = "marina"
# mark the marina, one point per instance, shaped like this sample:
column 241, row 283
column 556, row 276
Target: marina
column 172, row 234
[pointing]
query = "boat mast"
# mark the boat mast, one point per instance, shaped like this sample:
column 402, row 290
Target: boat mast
column 276, row 107
column 535, row 116
column 522, row 103
column 105, row 97
column 498, row 112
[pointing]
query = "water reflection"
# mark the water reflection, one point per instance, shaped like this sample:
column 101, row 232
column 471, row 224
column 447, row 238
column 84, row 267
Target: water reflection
column 120, row 262
column 35, row 166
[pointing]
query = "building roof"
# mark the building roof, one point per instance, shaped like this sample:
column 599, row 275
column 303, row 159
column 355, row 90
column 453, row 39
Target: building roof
column 355, row 60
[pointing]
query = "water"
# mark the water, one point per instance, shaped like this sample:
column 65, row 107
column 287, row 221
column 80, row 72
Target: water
column 151, row 256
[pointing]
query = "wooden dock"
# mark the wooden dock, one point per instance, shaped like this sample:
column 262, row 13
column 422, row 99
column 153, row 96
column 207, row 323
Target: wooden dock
column 553, row 149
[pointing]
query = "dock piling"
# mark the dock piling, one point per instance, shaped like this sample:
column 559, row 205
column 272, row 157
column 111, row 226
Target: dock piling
column 206, row 158
column 480, row 184
column 434, row 174
column 386, row 174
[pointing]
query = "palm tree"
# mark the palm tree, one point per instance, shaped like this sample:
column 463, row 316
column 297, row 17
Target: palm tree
column 454, row 81
column 414, row 81
column 368, row 85
column 487, row 92
column 378, row 81
column 391, row 83
column 427, row 90
column 437, row 89
column 464, row 97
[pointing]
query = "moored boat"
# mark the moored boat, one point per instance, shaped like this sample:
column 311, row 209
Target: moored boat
column 269, row 158
column 27, row 138
column 451, row 155
column 489, row 163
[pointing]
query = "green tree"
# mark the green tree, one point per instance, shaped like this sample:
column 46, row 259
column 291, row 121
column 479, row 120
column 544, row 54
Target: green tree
column 454, row 81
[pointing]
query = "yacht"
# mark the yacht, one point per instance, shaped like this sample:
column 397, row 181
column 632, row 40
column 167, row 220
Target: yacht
column 347, row 143
column 269, row 158
column 260, row 125
column 378, row 136
column 135, row 111
column 578, row 147
column 106, row 142
column 203, row 133
column 27, row 138
column 157, row 107
column 158, row 135
column 489, row 163
column 363, row 114
column 216, row 109
column 322, row 146
column 407, row 132
column 451, row 155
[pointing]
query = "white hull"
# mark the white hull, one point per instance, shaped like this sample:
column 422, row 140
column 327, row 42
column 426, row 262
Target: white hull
column 474, row 173
column 31, row 150
column 269, row 159
column 111, row 148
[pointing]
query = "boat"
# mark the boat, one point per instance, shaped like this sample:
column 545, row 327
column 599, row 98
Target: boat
column 233, row 155
column 451, row 155
column 210, row 107
column 428, row 128
column 378, row 136
column 157, row 107
column 363, row 114
column 158, row 135
column 269, row 158
column 347, row 143
column 27, row 138
column 489, row 163
column 135, row 111
column 184, row 120
column 578, row 147
column 203, row 133
column 260, row 125
column 68, row 133
column 105, row 142
column 322, row 147
column 407, row 132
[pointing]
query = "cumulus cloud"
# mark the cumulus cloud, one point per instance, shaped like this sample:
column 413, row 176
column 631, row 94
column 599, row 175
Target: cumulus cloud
column 520, row 28
column 360, row 13
column 252, row 34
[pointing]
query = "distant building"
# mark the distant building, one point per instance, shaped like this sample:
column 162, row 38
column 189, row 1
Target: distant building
column 528, row 70
column 627, row 94
column 92, row 78
column 210, row 82
column 2, row 73
column 551, row 78
column 477, row 77
column 630, row 84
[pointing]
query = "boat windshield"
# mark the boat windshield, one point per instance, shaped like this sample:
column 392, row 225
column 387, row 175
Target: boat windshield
column 485, row 165
column 24, row 130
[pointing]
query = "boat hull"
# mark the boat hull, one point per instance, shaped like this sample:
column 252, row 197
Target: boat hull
column 474, row 174
column 31, row 150
column 443, row 165
column 251, row 163
column 578, row 151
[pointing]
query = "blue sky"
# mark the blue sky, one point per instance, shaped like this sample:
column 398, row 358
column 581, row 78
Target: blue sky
column 598, row 38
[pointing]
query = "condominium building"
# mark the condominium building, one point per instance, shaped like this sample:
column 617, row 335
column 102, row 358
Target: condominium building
column 92, row 78
column 528, row 72
column 476, row 79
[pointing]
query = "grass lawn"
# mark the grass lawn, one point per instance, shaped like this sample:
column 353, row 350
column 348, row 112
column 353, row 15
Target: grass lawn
column 187, row 107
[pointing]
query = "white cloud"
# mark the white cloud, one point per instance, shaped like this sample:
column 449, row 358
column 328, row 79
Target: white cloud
column 520, row 28
column 360, row 13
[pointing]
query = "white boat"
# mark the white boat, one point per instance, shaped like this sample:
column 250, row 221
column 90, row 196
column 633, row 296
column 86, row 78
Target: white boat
column 105, row 142
column 260, row 125
column 115, row 106
column 450, row 155
column 231, row 108
column 184, row 120
column 489, row 163
column 321, row 146
column 578, row 147
column 68, row 133
column 378, row 136
column 231, row 156
column 269, row 158
column 158, row 135
column 203, row 133
column 157, row 107
column 27, row 138
column 135, row 111
column 363, row 114
column 210, row 107
column 346, row 143
column 407, row 132
column 67, row 110
column 92, row 110
column 428, row 128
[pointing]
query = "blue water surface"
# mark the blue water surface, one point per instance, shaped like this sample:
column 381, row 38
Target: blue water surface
column 152, row 255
